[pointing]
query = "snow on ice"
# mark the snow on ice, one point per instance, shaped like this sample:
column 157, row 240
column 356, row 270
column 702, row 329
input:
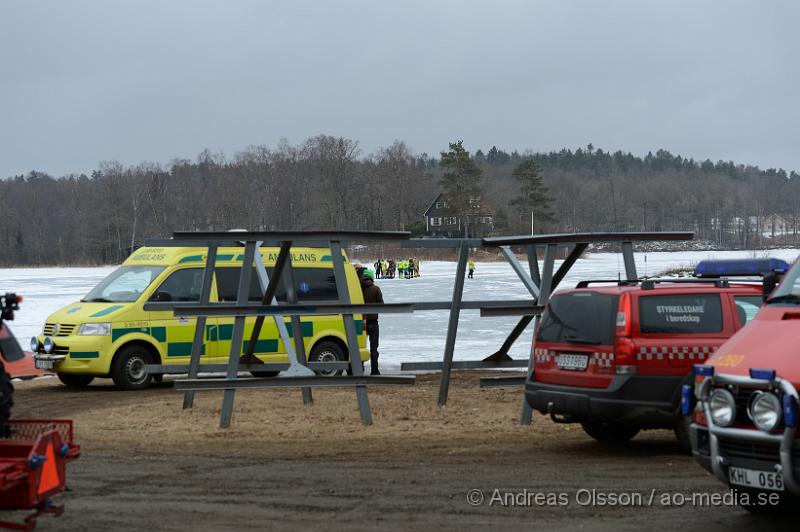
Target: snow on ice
column 404, row 337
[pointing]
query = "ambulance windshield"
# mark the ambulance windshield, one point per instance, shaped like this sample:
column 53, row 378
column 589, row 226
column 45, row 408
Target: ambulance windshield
column 124, row 285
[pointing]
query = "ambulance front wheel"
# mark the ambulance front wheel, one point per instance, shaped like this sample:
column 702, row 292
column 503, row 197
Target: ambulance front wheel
column 128, row 368
column 610, row 431
column 327, row 352
column 75, row 381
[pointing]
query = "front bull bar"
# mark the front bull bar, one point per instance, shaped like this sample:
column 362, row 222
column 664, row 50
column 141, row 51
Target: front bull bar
column 785, row 440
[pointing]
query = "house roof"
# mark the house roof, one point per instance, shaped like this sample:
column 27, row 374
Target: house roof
column 432, row 204
column 484, row 208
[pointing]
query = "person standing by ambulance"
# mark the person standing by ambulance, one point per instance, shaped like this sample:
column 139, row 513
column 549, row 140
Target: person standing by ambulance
column 471, row 266
column 372, row 295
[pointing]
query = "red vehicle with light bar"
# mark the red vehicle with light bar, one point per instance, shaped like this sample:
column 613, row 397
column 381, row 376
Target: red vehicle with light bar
column 33, row 453
column 614, row 358
column 745, row 403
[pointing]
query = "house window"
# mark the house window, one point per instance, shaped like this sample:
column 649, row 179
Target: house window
column 436, row 221
column 487, row 219
column 475, row 203
column 439, row 204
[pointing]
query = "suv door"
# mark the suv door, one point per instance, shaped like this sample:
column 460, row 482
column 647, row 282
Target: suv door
column 676, row 330
column 574, row 344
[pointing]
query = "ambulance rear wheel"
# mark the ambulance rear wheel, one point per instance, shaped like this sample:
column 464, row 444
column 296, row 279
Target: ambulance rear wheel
column 327, row 352
column 127, row 370
column 75, row 381
column 6, row 396
column 610, row 431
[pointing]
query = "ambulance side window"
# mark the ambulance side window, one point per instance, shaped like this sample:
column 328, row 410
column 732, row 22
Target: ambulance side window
column 228, row 284
column 680, row 314
column 182, row 285
column 747, row 307
column 311, row 284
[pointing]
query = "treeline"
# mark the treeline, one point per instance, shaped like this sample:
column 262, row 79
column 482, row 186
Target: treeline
column 327, row 182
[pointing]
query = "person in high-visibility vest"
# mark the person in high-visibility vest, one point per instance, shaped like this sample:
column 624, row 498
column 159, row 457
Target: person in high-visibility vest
column 471, row 266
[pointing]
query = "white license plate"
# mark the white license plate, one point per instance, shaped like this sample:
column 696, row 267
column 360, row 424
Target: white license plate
column 43, row 364
column 572, row 362
column 755, row 479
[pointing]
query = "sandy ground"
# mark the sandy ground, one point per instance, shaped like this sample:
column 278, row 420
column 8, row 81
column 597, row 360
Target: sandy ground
column 148, row 464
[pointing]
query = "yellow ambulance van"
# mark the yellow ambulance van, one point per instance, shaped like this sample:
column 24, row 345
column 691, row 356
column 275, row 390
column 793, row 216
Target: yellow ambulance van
column 108, row 333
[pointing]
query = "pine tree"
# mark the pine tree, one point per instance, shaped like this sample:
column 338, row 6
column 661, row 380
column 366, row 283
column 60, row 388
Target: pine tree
column 460, row 182
column 533, row 196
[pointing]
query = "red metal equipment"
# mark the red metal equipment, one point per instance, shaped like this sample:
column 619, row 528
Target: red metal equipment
column 33, row 453
column 33, row 462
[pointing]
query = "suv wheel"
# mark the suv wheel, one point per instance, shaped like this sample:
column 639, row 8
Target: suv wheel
column 682, row 433
column 327, row 352
column 127, row 370
column 610, row 431
column 75, row 381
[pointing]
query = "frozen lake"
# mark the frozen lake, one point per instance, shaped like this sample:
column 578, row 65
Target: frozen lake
column 410, row 337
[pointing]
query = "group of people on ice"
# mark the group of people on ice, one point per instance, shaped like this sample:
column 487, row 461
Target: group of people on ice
column 403, row 268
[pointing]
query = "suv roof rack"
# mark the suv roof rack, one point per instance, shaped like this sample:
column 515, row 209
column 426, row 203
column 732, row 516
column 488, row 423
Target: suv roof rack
column 619, row 282
column 649, row 284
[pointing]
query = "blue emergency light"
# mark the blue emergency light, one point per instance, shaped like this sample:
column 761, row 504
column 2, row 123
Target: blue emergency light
column 789, row 411
column 686, row 399
column 740, row 267
column 762, row 374
column 703, row 370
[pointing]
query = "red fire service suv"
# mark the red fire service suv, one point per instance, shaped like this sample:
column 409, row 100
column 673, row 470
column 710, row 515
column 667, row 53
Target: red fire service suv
column 614, row 358
column 746, row 406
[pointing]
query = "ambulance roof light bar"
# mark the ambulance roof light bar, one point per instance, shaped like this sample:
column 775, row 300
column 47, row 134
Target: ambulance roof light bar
column 740, row 267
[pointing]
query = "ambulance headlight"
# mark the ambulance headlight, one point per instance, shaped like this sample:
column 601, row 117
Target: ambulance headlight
column 95, row 329
column 765, row 411
column 34, row 344
column 722, row 406
column 48, row 345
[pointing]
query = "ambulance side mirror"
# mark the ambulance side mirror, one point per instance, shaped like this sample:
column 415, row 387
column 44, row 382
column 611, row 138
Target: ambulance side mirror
column 161, row 296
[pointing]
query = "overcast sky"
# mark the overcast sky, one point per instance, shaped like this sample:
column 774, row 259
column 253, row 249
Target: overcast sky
column 84, row 81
